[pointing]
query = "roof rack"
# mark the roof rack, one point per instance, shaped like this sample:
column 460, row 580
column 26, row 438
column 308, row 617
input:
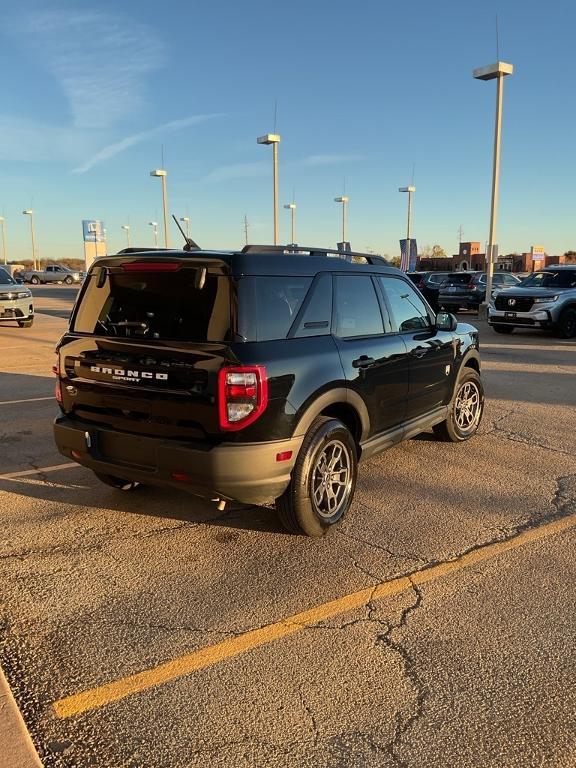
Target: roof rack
column 305, row 250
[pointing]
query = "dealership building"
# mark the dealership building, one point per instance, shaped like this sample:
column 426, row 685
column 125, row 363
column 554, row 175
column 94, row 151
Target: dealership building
column 469, row 257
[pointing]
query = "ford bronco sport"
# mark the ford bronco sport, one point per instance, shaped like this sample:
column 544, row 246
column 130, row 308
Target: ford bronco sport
column 257, row 375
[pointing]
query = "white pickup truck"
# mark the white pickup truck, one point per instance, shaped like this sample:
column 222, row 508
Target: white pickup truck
column 54, row 273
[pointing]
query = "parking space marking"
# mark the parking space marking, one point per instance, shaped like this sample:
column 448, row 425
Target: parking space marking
column 39, row 471
column 181, row 666
column 28, row 400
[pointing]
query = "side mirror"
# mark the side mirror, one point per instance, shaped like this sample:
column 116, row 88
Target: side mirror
column 445, row 321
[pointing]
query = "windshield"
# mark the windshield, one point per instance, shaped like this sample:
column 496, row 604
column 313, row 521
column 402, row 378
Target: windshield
column 156, row 305
column 5, row 278
column 551, row 279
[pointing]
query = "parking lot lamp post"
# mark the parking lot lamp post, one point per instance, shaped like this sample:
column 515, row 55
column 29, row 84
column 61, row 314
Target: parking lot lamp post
column 406, row 264
column 292, row 208
column 5, row 255
column 274, row 139
column 30, row 212
column 154, row 225
column 344, row 200
column 186, row 220
column 498, row 72
column 162, row 174
column 126, row 228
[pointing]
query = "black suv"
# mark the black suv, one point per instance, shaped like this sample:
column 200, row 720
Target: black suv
column 468, row 289
column 257, row 375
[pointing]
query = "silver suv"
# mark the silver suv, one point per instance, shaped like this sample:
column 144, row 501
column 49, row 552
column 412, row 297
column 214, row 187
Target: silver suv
column 15, row 301
column 545, row 299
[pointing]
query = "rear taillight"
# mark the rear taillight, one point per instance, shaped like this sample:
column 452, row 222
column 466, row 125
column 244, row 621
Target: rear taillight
column 58, row 385
column 242, row 395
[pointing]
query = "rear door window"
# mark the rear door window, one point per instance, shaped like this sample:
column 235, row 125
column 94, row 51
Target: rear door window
column 156, row 305
column 357, row 311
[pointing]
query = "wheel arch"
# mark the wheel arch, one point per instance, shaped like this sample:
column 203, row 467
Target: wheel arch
column 343, row 404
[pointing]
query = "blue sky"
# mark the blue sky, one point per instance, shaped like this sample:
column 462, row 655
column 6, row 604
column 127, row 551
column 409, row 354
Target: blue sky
column 365, row 91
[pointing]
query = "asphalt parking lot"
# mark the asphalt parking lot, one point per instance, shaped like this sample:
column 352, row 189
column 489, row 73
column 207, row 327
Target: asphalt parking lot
column 435, row 628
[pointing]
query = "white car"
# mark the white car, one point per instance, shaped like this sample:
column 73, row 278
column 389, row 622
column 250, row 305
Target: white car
column 15, row 301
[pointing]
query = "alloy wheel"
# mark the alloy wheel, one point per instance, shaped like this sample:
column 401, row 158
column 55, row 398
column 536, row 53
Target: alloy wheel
column 331, row 479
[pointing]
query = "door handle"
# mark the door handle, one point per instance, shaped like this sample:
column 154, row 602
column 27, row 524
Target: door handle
column 419, row 351
column 363, row 362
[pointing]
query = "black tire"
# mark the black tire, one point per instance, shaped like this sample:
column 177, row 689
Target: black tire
column 34, row 280
column 453, row 308
column 463, row 420
column 503, row 328
column 300, row 509
column 567, row 324
column 68, row 280
column 26, row 323
column 118, row 482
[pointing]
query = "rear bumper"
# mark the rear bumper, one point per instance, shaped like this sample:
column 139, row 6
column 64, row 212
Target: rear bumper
column 245, row 472
column 467, row 300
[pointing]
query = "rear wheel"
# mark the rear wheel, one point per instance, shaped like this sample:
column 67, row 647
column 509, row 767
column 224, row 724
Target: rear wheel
column 26, row 323
column 567, row 324
column 503, row 328
column 68, row 280
column 465, row 410
column 117, row 482
column 323, row 479
column 453, row 308
column 35, row 281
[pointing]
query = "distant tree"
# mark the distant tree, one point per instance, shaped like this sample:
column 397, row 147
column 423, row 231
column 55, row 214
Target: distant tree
column 570, row 256
column 438, row 252
column 425, row 252
column 394, row 261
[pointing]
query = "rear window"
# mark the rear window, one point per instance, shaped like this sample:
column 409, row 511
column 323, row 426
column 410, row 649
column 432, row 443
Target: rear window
column 267, row 306
column 156, row 305
column 459, row 278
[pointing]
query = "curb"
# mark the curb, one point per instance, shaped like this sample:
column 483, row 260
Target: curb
column 16, row 747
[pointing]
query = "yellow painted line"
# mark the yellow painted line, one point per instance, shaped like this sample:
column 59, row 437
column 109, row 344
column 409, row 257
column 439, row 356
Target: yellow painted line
column 227, row 649
column 28, row 400
column 39, row 471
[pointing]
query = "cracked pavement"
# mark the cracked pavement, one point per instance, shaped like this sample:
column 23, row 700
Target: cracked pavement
column 473, row 669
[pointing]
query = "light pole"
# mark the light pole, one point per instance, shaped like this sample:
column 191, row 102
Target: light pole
column 162, row 174
column 154, row 225
column 274, row 139
column 498, row 72
column 292, row 208
column 405, row 264
column 3, row 240
column 186, row 220
column 126, row 228
column 30, row 212
column 344, row 200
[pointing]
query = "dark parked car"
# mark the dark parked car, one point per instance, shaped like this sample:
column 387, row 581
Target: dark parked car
column 257, row 375
column 468, row 289
column 428, row 283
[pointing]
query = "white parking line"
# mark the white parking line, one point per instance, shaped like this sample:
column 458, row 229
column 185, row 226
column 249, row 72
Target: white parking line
column 39, row 471
column 28, row 400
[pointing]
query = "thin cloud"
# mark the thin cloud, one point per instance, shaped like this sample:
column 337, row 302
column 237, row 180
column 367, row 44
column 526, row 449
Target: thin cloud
column 111, row 150
column 238, row 171
column 313, row 161
column 99, row 60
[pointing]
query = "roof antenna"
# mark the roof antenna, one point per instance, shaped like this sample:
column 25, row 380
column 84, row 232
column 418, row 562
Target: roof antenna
column 190, row 244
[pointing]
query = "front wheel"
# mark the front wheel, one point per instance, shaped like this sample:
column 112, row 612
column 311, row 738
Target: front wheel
column 567, row 324
column 503, row 328
column 35, row 281
column 465, row 409
column 117, row 482
column 68, row 281
column 323, row 479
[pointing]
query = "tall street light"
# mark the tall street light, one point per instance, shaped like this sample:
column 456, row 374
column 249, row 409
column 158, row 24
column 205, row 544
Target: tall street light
column 3, row 240
column 274, row 139
column 30, row 212
column 498, row 72
column 126, row 228
column 405, row 263
column 292, row 208
column 186, row 220
column 344, row 200
column 154, row 225
column 162, row 174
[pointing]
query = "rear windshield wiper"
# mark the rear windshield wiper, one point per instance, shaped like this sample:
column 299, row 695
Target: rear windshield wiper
column 131, row 324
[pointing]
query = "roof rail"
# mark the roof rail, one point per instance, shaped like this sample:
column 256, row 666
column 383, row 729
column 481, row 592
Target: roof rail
column 305, row 250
